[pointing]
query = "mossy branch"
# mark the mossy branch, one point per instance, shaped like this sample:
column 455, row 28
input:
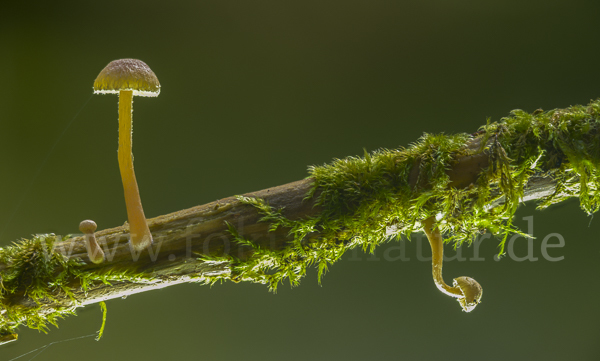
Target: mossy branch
column 472, row 182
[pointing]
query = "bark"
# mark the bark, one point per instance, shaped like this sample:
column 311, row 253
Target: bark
column 181, row 237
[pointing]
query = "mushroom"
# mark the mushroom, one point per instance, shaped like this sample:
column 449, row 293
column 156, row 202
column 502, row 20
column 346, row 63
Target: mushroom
column 129, row 77
column 95, row 253
column 465, row 289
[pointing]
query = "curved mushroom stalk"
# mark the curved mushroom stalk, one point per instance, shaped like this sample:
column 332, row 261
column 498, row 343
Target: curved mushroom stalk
column 465, row 289
column 138, row 226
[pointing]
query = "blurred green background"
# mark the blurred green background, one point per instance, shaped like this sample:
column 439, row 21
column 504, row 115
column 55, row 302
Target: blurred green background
column 253, row 92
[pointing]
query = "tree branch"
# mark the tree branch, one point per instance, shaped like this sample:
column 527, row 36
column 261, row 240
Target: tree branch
column 474, row 181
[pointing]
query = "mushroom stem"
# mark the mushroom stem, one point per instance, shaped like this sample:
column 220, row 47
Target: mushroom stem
column 138, row 226
column 465, row 289
column 437, row 258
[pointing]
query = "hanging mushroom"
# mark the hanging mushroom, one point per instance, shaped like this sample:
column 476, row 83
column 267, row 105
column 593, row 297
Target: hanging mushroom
column 465, row 289
column 129, row 77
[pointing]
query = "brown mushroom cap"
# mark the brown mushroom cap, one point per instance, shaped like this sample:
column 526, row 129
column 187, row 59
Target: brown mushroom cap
column 471, row 291
column 127, row 74
column 87, row 226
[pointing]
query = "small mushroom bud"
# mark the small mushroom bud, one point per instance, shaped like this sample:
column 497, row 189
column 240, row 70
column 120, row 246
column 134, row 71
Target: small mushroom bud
column 465, row 289
column 95, row 253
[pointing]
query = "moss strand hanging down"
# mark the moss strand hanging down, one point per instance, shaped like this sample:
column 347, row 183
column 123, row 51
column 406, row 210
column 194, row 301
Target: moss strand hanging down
column 472, row 182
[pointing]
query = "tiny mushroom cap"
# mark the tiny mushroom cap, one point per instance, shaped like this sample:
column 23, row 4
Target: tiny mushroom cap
column 88, row 226
column 471, row 291
column 127, row 74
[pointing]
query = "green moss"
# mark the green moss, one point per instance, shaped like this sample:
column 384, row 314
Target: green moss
column 368, row 200
column 272, row 267
column 104, row 311
column 35, row 275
